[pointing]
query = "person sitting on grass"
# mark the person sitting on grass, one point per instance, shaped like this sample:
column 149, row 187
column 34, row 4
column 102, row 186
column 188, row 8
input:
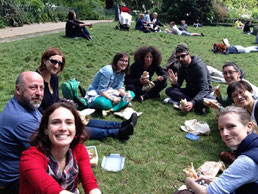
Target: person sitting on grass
column 107, row 92
column 52, row 65
column 246, row 28
column 238, row 24
column 198, row 82
column 231, row 73
column 156, row 22
column 174, row 30
column 183, row 26
column 235, row 128
column 146, row 58
column 141, row 25
column 57, row 158
column 75, row 28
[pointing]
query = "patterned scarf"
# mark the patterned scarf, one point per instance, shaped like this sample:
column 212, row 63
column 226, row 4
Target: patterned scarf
column 67, row 178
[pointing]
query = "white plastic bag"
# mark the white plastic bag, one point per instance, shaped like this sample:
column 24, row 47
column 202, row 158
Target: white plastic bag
column 195, row 127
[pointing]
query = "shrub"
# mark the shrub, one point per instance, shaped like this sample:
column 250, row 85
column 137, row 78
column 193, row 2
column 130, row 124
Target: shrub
column 220, row 12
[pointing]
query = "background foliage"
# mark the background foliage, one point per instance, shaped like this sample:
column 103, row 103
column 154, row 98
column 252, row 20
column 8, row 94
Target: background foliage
column 158, row 151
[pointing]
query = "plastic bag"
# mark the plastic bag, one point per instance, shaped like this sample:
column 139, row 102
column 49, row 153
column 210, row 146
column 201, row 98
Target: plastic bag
column 195, row 127
column 127, row 112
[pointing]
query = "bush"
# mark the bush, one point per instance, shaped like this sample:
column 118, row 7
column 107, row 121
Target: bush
column 220, row 12
column 2, row 22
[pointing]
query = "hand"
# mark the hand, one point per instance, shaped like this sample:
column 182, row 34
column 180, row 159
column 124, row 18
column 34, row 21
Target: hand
column 160, row 78
column 116, row 100
column 213, row 105
column 217, row 93
column 172, row 77
column 207, row 179
column 187, row 107
column 144, row 81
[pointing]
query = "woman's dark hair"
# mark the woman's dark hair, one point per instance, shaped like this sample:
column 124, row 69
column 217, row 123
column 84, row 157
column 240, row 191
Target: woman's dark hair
column 236, row 68
column 51, row 51
column 141, row 52
column 243, row 85
column 41, row 140
column 248, row 22
column 71, row 15
column 116, row 59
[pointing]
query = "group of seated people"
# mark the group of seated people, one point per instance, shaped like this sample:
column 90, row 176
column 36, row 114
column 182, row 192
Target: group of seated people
column 42, row 136
column 147, row 24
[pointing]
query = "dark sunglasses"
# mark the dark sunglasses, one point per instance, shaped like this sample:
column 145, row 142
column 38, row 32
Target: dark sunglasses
column 54, row 62
column 181, row 56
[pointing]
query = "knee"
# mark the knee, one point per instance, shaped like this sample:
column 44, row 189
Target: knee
column 132, row 94
column 102, row 103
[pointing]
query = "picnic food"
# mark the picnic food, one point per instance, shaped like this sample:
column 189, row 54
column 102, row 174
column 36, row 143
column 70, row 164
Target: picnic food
column 92, row 151
column 183, row 102
column 190, row 172
column 149, row 85
column 208, row 101
column 211, row 168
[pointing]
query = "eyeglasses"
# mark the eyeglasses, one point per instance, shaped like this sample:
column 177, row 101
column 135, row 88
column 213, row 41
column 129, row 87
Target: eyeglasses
column 54, row 62
column 181, row 56
column 123, row 61
column 228, row 72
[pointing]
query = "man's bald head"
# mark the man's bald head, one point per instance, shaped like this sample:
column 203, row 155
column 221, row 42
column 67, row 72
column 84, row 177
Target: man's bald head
column 29, row 89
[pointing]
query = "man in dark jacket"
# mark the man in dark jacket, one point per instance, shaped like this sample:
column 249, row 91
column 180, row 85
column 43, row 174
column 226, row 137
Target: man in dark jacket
column 198, row 82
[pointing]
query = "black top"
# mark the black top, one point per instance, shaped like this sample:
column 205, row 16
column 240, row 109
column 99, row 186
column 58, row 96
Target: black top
column 49, row 98
column 136, row 71
column 71, row 27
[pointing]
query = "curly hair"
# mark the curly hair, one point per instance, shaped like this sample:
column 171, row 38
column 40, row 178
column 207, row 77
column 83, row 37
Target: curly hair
column 221, row 48
column 42, row 141
column 51, row 51
column 117, row 57
column 141, row 52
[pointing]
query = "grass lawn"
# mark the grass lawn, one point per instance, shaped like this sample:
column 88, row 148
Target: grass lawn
column 158, row 150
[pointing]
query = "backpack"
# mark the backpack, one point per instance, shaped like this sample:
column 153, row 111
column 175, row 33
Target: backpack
column 70, row 91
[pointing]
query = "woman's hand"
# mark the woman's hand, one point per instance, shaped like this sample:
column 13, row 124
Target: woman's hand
column 144, row 81
column 116, row 100
column 207, row 179
column 160, row 78
column 187, row 107
column 95, row 191
column 192, row 185
column 217, row 93
column 65, row 192
column 172, row 77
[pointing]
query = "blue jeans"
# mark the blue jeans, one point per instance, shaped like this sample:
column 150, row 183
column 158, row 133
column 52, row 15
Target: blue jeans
column 99, row 129
column 82, row 32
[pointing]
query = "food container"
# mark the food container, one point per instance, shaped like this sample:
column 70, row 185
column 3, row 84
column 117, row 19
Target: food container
column 113, row 163
column 93, row 155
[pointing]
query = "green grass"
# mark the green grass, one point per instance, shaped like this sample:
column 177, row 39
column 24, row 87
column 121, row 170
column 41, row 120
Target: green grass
column 158, row 150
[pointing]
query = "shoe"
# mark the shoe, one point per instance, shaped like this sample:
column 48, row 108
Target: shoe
column 202, row 34
column 143, row 97
column 227, row 157
column 125, row 132
column 170, row 101
column 205, row 110
column 132, row 120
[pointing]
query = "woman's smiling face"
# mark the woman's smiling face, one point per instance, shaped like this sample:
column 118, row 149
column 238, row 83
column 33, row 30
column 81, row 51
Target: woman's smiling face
column 230, row 74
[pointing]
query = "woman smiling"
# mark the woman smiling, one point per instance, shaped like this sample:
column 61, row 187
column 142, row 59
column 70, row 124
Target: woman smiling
column 57, row 157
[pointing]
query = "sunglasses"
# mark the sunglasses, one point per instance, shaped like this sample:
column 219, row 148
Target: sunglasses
column 181, row 56
column 54, row 62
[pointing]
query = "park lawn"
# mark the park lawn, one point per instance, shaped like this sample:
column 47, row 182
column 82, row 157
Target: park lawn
column 158, row 150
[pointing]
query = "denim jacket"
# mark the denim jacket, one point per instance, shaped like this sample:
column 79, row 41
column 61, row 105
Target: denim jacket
column 107, row 78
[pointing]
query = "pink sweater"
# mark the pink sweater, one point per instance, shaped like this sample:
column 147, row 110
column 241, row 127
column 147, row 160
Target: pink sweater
column 35, row 179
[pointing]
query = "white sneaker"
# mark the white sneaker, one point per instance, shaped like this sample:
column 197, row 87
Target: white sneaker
column 166, row 100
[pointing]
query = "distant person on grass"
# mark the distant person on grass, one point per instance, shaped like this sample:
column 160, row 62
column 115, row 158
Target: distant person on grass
column 57, row 160
column 107, row 92
column 146, row 58
column 52, row 65
column 183, row 26
column 198, row 82
column 141, row 25
column 174, row 30
column 75, row 28
column 246, row 28
column 237, row 49
column 235, row 128
column 238, row 24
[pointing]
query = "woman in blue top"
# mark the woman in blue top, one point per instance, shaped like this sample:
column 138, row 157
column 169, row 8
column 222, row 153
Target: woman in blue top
column 235, row 128
column 107, row 91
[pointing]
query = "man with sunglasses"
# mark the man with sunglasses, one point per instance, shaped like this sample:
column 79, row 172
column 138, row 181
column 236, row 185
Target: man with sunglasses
column 198, row 83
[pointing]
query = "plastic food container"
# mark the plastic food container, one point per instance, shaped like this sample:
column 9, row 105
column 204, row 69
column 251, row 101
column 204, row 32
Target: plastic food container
column 113, row 163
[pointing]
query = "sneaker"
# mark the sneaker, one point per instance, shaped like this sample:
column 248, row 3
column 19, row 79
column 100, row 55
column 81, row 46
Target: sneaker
column 227, row 157
column 170, row 101
column 125, row 132
column 205, row 110
column 143, row 97
column 202, row 34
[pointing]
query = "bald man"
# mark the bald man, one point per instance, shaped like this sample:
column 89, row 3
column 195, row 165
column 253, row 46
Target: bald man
column 19, row 119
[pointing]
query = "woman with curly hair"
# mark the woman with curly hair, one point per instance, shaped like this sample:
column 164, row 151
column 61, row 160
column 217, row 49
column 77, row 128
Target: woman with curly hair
column 147, row 59
column 57, row 158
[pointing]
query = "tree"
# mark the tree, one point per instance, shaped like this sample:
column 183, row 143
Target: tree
column 176, row 10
